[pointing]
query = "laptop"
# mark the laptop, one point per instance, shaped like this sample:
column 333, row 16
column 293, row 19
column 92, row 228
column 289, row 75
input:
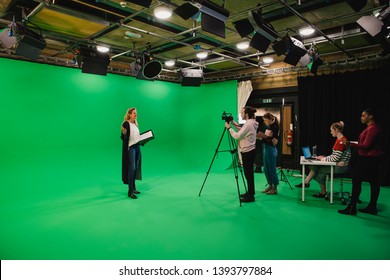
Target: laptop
column 307, row 154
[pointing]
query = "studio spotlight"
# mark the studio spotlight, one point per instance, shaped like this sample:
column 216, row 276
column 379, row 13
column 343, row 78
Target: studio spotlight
column 264, row 31
column 28, row 43
column 145, row 67
column 292, row 48
column 92, row 61
column 191, row 77
column 213, row 17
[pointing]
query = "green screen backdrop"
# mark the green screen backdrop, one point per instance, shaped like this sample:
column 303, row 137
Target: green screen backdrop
column 60, row 123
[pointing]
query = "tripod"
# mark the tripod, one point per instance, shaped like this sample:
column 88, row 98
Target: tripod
column 283, row 177
column 233, row 151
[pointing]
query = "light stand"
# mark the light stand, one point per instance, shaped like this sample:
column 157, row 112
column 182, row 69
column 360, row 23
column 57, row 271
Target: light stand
column 283, row 177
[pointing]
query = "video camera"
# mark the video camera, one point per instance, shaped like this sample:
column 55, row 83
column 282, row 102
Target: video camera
column 227, row 117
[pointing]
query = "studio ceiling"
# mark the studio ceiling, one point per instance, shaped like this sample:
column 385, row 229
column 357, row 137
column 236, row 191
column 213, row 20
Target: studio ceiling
column 130, row 29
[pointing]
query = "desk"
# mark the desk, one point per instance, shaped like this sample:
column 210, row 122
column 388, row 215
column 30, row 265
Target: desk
column 305, row 162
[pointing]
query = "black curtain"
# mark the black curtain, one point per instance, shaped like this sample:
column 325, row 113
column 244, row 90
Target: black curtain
column 326, row 99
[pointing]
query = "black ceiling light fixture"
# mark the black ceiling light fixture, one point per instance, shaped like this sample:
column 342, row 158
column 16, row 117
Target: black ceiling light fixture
column 292, row 48
column 357, row 5
column 315, row 60
column 145, row 67
column 213, row 17
column 186, row 11
column 264, row 31
column 191, row 77
column 143, row 3
column 92, row 61
column 28, row 43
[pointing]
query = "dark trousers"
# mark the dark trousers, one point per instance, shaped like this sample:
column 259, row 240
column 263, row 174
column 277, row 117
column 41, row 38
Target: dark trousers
column 134, row 156
column 248, row 159
column 365, row 168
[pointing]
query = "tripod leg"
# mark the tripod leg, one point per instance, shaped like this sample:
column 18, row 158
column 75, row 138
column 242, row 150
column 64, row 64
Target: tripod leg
column 235, row 163
column 212, row 161
column 239, row 167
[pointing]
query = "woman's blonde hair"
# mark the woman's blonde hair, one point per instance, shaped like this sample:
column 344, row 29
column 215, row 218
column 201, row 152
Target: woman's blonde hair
column 128, row 113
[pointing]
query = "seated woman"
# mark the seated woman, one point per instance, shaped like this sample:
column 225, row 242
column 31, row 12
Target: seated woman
column 341, row 154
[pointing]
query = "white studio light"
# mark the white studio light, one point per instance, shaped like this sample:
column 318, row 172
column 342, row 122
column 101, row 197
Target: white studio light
column 306, row 31
column 202, row 55
column 102, row 49
column 169, row 63
column 268, row 60
column 163, row 12
column 242, row 45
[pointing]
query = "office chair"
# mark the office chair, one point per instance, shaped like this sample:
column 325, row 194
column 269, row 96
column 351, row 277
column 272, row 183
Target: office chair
column 343, row 195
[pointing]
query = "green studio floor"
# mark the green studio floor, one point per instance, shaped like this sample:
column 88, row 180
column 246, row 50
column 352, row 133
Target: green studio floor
column 78, row 209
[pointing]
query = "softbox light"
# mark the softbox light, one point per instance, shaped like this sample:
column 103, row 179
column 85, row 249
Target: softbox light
column 191, row 77
column 93, row 62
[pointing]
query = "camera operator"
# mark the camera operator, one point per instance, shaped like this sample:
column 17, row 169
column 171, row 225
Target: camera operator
column 246, row 136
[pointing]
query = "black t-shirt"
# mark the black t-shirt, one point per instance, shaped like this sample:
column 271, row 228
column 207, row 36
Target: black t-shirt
column 274, row 127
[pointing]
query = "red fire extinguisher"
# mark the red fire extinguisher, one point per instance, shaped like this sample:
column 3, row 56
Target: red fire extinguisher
column 289, row 137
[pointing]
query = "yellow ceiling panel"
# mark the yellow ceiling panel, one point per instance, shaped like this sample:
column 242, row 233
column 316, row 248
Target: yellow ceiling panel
column 66, row 24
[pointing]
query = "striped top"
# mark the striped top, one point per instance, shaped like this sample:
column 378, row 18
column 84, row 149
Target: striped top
column 340, row 152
